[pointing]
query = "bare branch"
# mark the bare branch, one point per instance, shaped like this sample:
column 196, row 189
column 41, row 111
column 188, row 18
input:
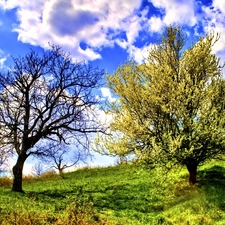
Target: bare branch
column 47, row 97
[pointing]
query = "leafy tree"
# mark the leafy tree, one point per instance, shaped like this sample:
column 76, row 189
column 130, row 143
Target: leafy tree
column 170, row 110
column 46, row 97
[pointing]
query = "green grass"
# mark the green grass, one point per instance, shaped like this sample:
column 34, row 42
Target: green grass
column 122, row 194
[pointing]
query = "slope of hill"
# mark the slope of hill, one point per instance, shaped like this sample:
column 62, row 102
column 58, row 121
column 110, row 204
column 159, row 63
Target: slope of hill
column 122, row 194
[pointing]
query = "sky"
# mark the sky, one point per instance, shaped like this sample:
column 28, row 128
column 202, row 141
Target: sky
column 104, row 33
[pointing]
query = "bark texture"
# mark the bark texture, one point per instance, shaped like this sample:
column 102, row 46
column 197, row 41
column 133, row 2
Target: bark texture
column 18, row 174
column 192, row 169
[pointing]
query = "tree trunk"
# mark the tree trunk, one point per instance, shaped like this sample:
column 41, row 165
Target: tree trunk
column 18, row 174
column 61, row 173
column 192, row 169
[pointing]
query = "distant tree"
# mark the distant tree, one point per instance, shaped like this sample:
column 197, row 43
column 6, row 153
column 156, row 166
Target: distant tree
column 171, row 108
column 46, row 96
column 38, row 169
column 63, row 157
column 4, row 157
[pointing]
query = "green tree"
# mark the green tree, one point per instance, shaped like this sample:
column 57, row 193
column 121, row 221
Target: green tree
column 170, row 110
column 46, row 97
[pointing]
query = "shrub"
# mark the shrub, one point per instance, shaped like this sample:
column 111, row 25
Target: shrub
column 82, row 213
column 78, row 213
column 22, row 217
column 48, row 174
column 5, row 182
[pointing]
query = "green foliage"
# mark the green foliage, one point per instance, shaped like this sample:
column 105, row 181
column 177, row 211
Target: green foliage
column 78, row 213
column 121, row 195
column 171, row 108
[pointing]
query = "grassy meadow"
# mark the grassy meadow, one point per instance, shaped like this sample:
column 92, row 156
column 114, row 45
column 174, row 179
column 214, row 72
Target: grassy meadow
column 119, row 195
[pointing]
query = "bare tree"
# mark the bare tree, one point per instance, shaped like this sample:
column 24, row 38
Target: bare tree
column 3, row 161
column 46, row 96
column 63, row 157
column 38, row 169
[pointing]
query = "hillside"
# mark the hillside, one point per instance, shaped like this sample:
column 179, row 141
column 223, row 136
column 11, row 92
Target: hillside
column 123, row 194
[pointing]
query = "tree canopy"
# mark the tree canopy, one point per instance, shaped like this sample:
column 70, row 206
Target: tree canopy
column 169, row 109
column 46, row 97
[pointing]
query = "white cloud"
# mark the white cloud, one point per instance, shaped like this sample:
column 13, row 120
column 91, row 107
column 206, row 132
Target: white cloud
column 173, row 12
column 177, row 11
column 139, row 54
column 214, row 22
column 3, row 58
column 84, row 27
column 132, row 27
column 107, row 94
column 155, row 24
column 191, row 14
column 2, row 61
column 122, row 43
column 218, row 4
column 70, row 23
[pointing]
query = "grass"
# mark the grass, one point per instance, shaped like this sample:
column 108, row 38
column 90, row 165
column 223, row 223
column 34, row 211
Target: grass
column 123, row 194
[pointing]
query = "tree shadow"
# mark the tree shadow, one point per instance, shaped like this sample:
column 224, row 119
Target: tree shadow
column 127, row 197
column 212, row 181
column 212, row 176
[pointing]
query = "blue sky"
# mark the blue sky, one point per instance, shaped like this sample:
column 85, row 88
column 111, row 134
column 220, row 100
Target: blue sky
column 103, row 33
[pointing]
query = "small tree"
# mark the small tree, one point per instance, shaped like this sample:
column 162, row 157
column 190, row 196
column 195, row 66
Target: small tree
column 171, row 108
column 46, row 97
column 38, row 169
column 4, row 156
column 63, row 158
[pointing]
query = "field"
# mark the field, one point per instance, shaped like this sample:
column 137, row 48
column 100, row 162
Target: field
column 123, row 194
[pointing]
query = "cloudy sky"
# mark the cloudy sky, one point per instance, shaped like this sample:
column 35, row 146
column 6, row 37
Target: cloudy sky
column 103, row 33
